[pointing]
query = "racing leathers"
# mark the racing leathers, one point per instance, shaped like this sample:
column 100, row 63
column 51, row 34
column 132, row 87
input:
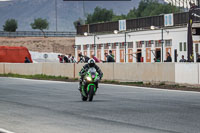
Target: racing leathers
column 84, row 71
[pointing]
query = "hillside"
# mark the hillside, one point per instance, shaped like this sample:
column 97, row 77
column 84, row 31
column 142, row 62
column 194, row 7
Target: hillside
column 24, row 11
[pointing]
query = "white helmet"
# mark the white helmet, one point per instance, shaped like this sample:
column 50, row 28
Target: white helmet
column 91, row 62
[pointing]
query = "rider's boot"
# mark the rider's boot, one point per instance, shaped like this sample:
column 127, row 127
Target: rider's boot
column 97, row 86
column 80, row 84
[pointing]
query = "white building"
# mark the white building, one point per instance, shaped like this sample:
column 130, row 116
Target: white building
column 142, row 45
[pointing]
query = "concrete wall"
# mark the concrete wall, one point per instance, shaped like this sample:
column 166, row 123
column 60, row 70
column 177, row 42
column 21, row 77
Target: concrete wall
column 78, row 69
column 108, row 70
column 24, row 69
column 187, row 73
column 156, row 72
column 148, row 72
column 58, row 69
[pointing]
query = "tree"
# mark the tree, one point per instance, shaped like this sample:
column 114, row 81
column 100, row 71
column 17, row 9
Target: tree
column 78, row 22
column 118, row 17
column 10, row 25
column 132, row 14
column 100, row 15
column 152, row 8
column 40, row 24
column 145, row 8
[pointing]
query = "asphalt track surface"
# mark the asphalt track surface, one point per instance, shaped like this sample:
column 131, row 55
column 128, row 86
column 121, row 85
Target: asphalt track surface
column 32, row 106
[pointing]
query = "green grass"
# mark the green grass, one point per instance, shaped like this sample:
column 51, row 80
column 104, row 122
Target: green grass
column 121, row 83
column 162, row 85
column 37, row 76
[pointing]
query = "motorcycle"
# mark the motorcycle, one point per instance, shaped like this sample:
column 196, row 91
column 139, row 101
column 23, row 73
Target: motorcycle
column 89, row 85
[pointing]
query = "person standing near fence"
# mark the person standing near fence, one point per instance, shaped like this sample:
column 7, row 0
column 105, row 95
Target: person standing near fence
column 109, row 58
column 96, row 59
column 60, row 59
column 169, row 58
column 182, row 60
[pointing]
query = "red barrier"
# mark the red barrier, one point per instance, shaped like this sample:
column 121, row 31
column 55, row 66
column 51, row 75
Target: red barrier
column 14, row 54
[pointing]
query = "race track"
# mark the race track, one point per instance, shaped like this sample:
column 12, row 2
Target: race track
column 32, row 106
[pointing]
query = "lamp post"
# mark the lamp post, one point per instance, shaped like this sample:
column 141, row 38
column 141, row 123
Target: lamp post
column 162, row 40
column 56, row 13
column 86, row 34
column 116, row 32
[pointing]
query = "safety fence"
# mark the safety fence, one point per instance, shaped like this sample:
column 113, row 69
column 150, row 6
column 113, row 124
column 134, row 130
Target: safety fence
column 132, row 72
column 37, row 34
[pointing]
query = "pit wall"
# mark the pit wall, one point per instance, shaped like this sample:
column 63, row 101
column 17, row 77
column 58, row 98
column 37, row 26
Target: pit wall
column 188, row 73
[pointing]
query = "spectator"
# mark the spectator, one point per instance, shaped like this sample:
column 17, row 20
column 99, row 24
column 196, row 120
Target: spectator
column 96, row 59
column 70, row 58
column 81, row 58
column 155, row 60
column 60, row 59
column 109, row 58
column 169, row 58
column 27, row 60
column 198, row 59
column 182, row 60
column 158, row 60
column 86, row 58
column 110, row 53
column 66, row 60
column 73, row 59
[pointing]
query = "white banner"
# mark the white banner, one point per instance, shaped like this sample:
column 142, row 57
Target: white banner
column 122, row 25
column 168, row 20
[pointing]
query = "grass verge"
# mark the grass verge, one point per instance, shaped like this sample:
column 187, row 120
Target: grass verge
column 37, row 76
column 161, row 85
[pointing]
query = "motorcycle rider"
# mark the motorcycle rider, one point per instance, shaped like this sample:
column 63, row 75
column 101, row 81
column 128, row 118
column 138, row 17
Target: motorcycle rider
column 91, row 64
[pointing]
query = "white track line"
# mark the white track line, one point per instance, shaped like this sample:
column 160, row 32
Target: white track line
column 135, row 87
column 50, row 81
column 5, row 131
column 149, row 88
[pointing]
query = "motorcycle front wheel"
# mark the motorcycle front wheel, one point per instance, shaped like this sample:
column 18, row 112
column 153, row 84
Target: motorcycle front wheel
column 91, row 93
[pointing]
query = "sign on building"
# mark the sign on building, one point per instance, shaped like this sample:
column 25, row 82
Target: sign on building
column 168, row 20
column 122, row 25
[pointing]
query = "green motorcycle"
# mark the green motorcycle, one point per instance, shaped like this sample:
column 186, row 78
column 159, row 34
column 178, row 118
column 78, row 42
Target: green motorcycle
column 89, row 85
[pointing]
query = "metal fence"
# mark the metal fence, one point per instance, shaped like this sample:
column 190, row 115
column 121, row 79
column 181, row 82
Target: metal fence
column 37, row 34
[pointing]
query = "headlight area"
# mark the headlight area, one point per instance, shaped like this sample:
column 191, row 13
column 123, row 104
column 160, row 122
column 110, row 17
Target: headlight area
column 89, row 79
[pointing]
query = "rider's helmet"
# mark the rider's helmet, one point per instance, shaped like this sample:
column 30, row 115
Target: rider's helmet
column 91, row 62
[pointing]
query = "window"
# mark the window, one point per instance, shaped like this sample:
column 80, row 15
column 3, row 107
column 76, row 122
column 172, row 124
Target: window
column 180, row 46
column 168, row 43
column 121, row 45
column 92, row 47
column 78, row 47
column 98, row 46
column 158, row 43
column 185, row 46
column 113, row 45
column 106, row 46
column 138, row 44
column 85, row 47
column 147, row 44
column 130, row 44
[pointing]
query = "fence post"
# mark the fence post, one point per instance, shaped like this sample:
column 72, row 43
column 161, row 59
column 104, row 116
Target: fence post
column 74, row 70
